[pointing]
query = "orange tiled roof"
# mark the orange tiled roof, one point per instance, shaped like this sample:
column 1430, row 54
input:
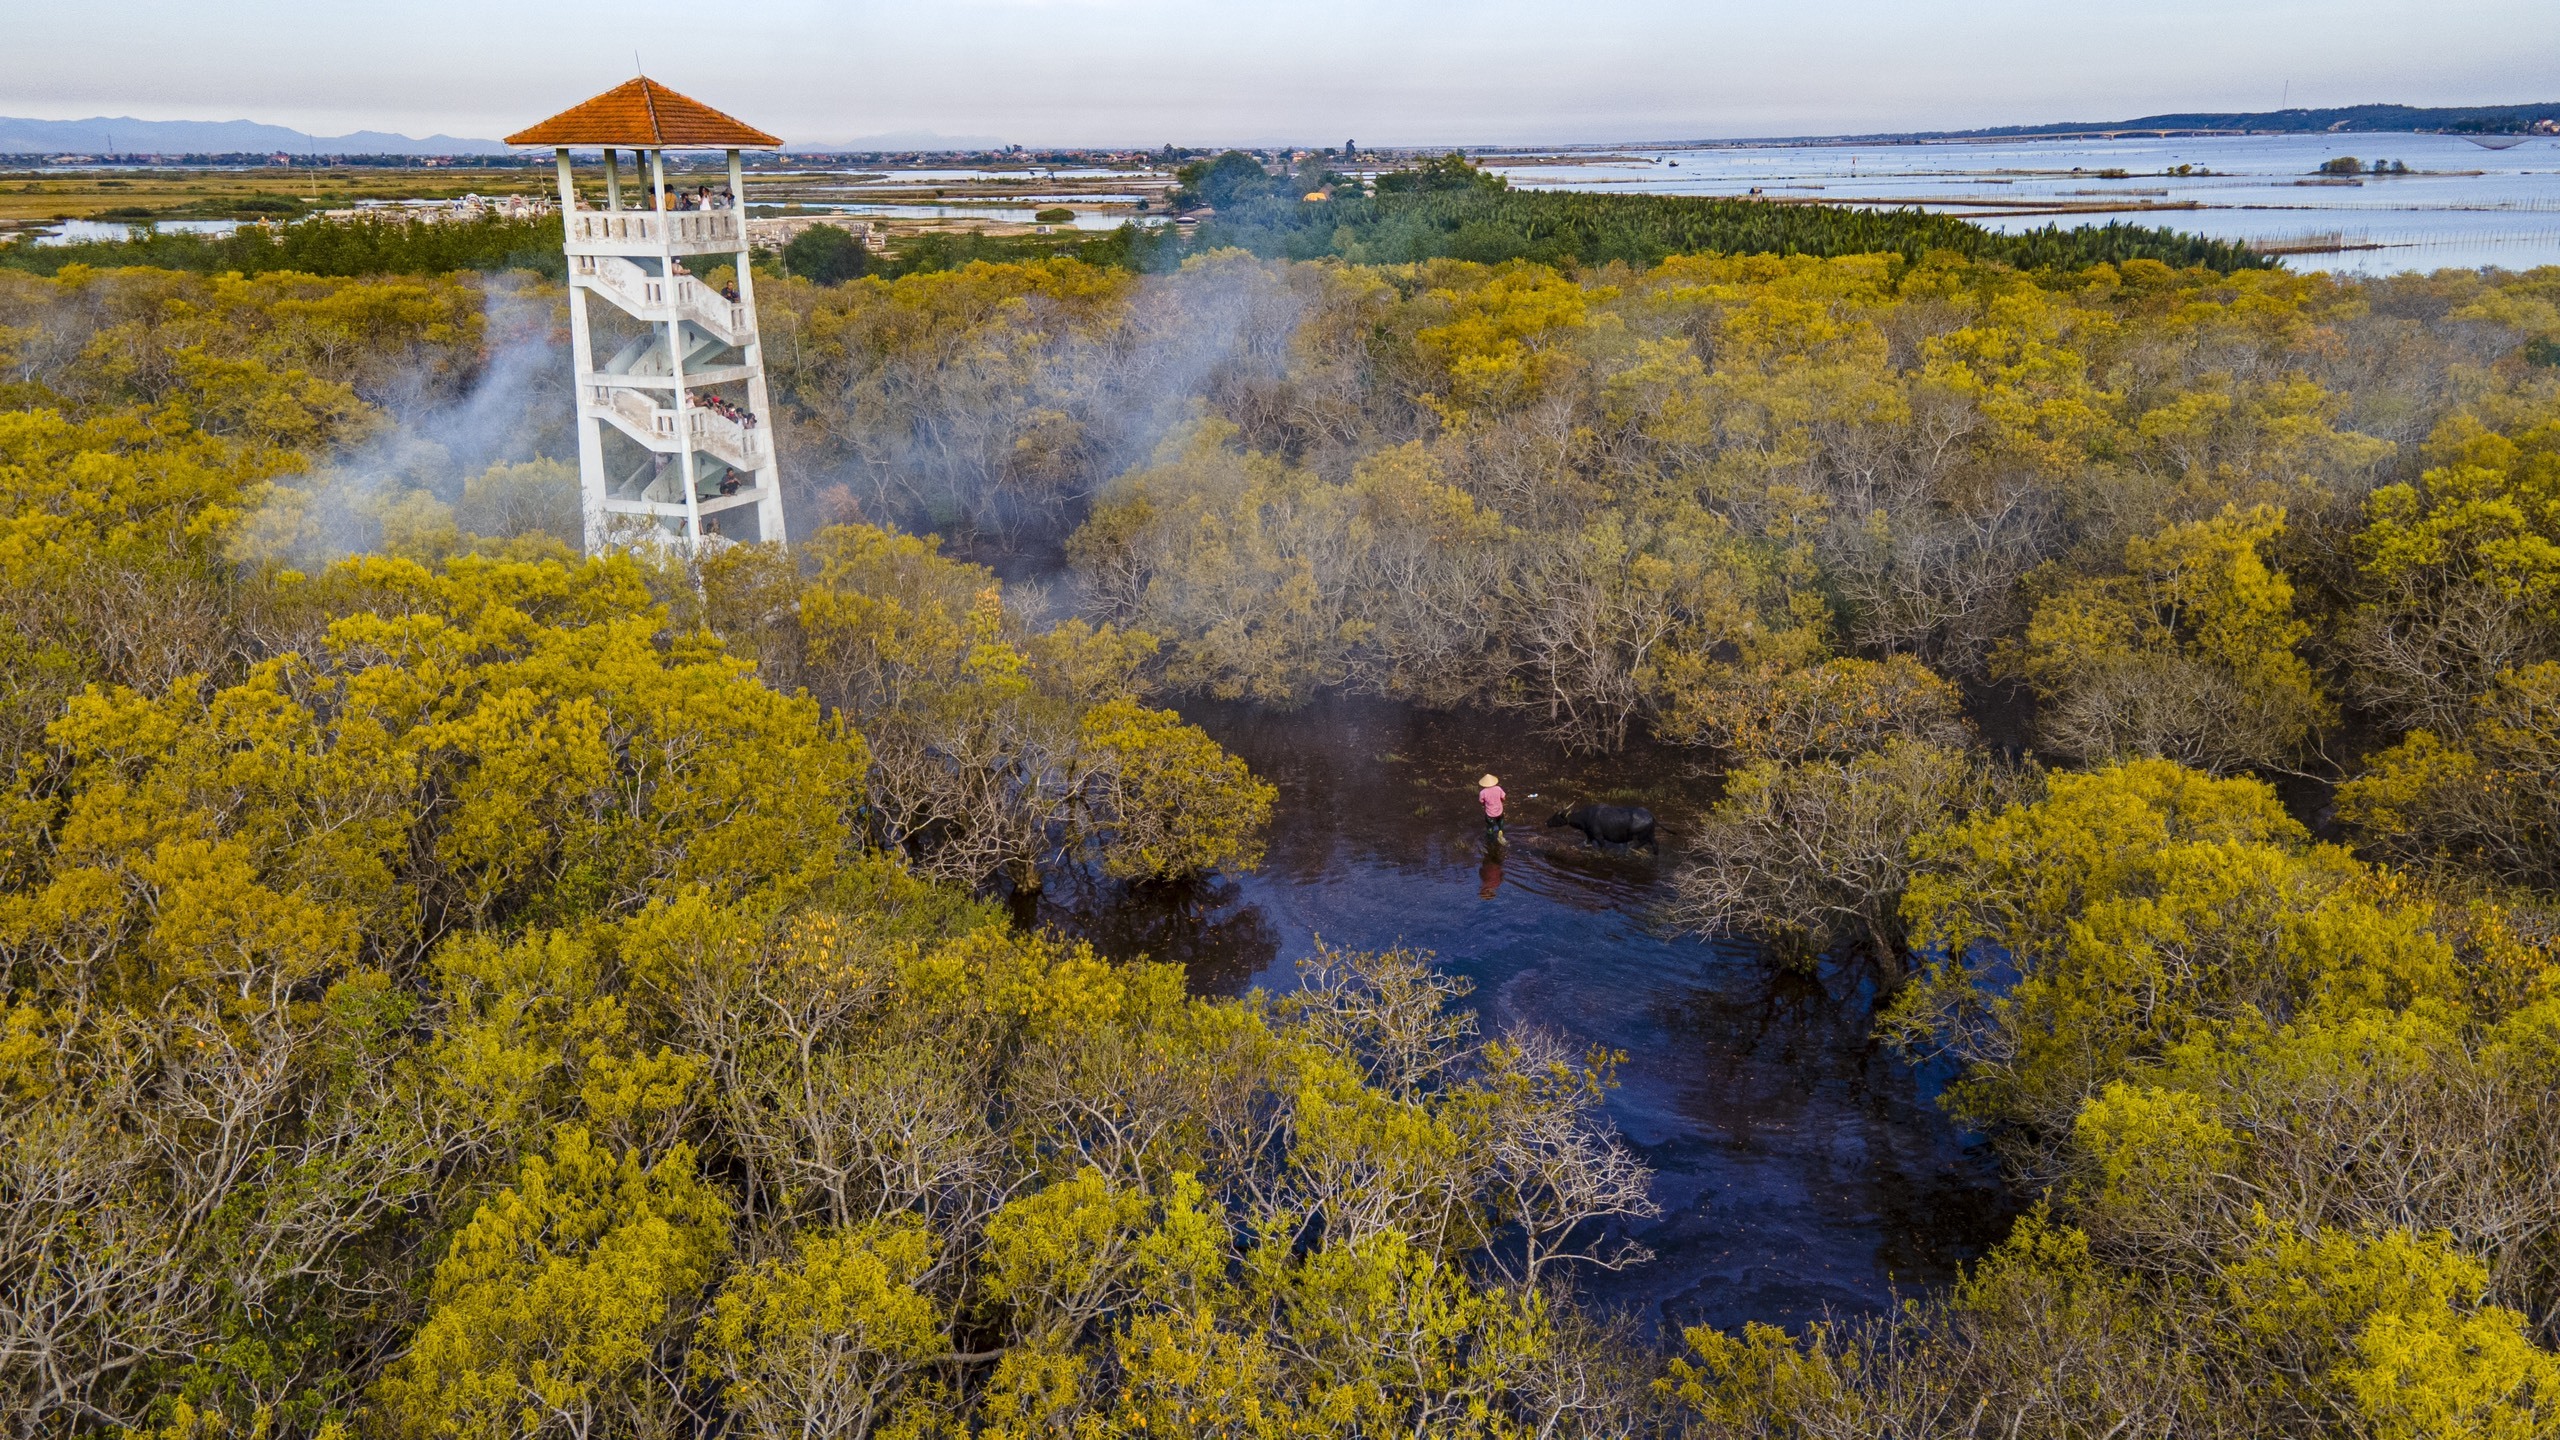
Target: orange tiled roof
column 643, row 115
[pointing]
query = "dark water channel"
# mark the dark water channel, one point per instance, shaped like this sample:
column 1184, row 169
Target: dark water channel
column 1800, row 1166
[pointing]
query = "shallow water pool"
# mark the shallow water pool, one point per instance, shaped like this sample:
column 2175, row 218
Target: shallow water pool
column 1801, row 1167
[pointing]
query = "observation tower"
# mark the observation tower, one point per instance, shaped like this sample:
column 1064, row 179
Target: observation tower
column 675, row 433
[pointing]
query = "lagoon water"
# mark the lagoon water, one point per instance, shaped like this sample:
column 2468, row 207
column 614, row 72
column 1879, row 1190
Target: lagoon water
column 1024, row 213
column 2463, row 205
column 78, row 232
column 1802, row 1168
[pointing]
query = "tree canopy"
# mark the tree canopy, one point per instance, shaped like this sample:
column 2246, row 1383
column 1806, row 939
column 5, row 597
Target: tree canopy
column 455, row 986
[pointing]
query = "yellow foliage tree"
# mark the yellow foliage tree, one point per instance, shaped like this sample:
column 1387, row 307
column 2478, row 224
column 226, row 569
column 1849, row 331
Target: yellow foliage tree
column 2190, row 655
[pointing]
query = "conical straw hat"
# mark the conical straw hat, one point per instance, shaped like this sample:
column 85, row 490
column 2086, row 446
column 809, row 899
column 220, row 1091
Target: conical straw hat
column 1488, row 782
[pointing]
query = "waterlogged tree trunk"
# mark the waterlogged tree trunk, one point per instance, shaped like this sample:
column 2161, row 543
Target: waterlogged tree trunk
column 1885, row 945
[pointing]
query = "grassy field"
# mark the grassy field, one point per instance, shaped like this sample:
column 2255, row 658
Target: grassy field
column 32, row 198
column 1087, row 195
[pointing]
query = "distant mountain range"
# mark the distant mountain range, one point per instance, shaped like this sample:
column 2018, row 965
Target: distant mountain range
column 2461, row 119
column 901, row 140
column 124, row 135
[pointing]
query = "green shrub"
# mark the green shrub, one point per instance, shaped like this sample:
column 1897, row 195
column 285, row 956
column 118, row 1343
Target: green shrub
column 828, row 254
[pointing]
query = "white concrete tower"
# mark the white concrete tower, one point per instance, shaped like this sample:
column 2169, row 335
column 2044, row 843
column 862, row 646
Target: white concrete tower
column 675, row 433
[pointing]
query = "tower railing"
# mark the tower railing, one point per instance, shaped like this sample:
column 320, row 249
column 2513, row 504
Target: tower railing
column 611, row 232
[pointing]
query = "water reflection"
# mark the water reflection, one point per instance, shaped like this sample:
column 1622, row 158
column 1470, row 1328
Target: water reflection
column 1800, row 1166
column 1205, row 925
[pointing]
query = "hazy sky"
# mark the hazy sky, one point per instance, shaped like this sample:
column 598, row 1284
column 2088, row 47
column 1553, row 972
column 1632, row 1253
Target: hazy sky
column 1210, row 71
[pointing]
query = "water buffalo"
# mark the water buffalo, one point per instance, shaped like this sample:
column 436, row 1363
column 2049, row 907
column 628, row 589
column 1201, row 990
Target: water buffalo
column 1608, row 824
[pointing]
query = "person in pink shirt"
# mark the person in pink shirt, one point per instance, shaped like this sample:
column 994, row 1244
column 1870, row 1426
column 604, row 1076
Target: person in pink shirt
column 1489, row 790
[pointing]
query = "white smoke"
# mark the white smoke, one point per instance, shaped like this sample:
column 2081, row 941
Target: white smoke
column 403, row 485
column 998, row 435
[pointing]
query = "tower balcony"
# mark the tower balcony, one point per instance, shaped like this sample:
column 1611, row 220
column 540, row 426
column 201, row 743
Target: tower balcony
column 666, row 431
column 655, row 232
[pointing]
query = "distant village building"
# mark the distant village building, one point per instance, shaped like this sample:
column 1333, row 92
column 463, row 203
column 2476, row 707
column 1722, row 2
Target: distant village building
column 467, row 208
column 675, row 432
column 772, row 232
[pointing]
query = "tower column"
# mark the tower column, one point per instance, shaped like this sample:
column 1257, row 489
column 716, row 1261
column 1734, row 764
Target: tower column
column 591, row 476
column 591, row 495
column 675, row 353
column 769, row 523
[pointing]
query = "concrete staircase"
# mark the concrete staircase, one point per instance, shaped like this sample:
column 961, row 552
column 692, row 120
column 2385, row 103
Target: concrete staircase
column 660, row 299
column 659, row 428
